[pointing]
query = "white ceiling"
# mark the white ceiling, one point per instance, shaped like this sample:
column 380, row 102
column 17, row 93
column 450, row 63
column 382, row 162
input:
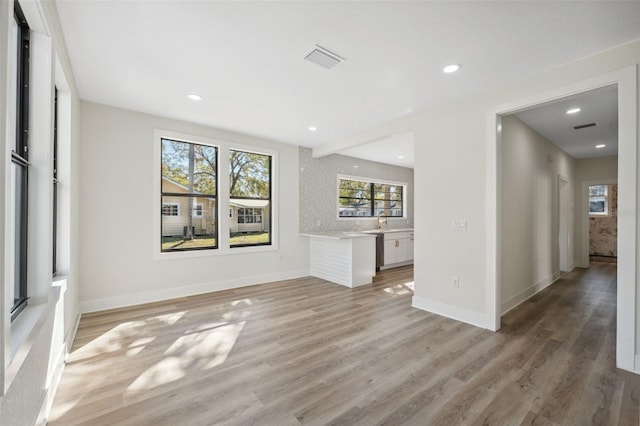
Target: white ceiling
column 246, row 58
column 596, row 106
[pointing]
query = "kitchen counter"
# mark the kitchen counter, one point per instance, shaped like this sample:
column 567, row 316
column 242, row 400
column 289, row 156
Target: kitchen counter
column 346, row 258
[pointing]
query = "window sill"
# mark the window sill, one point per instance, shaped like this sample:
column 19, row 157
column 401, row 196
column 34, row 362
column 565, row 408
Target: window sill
column 24, row 332
column 213, row 252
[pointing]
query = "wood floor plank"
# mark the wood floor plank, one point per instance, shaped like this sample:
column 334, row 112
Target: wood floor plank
column 307, row 351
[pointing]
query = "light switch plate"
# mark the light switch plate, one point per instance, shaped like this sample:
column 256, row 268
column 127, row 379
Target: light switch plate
column 459, row 225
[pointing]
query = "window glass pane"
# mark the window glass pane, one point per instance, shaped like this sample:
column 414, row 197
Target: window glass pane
column 355, row 189
column 354, row 207
column 18, row 219
column 188, row 167
column 250, row 197
column 387, row 192
column 598, row 199
column 249, row 175
column 184, row 231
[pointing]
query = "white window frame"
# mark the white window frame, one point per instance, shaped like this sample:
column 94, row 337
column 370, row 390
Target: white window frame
column 223, row 197
column 606, row 202
column 371, row 180
column 177, row 205
column 198, row 207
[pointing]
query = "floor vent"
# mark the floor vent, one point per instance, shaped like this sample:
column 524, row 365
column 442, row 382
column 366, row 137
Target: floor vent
column 584, row 126
column 323, row 57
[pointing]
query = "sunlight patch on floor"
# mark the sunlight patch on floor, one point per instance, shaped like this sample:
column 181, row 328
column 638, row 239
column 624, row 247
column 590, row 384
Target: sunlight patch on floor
column 400, row 289
column 115, row 339
column 194, row 352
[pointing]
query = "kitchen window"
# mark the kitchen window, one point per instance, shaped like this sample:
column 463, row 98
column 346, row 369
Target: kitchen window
column 366, row 198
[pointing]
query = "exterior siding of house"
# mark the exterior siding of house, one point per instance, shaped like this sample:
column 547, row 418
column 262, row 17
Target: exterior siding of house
column 249, row 227
column 174, row 226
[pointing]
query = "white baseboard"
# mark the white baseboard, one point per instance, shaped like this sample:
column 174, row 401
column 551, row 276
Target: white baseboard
column 190, row 290
column 454, row 312
column 512, row 302
column 396, row 265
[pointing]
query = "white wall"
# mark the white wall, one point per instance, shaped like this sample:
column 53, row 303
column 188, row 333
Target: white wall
column 452, row 157
column 118, row 266
column 589, row 171
column 531, row 166
column 35, row 344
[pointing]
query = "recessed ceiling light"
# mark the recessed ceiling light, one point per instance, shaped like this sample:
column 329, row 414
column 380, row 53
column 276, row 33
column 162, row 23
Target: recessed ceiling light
column 400, row 157
column 355, row 166
column 449, row 69
column 573, row 110
column 312, row 128
column 600, row 146
column 194, row 97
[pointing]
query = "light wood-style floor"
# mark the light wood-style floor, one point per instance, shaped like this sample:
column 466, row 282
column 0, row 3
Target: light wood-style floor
column 310, row 352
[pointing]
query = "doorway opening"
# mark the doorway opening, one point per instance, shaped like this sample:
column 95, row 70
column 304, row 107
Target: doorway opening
column 624, row 82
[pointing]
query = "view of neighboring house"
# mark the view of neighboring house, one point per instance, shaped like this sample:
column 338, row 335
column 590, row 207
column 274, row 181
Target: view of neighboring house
column 175, row 212
column 246, row 215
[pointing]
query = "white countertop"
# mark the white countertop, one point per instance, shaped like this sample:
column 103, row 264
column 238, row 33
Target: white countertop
column 385, row 230
column 342, row 235
column 337, row 235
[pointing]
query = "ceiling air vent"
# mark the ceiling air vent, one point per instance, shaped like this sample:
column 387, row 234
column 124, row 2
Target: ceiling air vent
column 584, row 126
column 323, row 57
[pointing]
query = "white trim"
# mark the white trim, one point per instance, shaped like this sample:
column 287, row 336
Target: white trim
column 450, row 311
column 625, row 79
column 529, row 292
column 189, row 290
column 194, row 212
column 222, row 196
column 396, row 265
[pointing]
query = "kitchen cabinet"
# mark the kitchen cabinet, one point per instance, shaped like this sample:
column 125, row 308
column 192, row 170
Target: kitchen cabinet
column 398, row 247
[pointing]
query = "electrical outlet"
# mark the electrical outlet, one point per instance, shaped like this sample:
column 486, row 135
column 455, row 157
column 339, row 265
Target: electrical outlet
column 455, row 282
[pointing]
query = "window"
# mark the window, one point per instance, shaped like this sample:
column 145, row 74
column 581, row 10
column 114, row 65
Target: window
column 249, row 215
column 598, row 202
column 250, row 193
column 362, row 198
column 198, row 210
column 55, row 184
column 170, row 209
column 20, row 161
column 189, row 183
